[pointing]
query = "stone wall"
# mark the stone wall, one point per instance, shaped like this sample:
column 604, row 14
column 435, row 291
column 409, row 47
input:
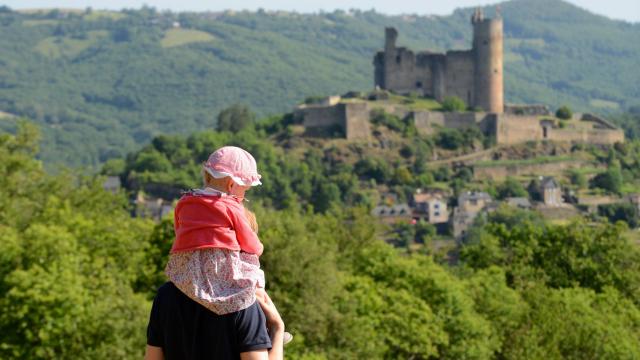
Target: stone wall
column 590, row 136
column 320, row 116
column 501, row 172
column 513, row 129
column 357, row 121
column 428, row 122
column 459, row 76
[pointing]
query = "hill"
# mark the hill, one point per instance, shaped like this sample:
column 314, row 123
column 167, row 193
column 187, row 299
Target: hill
column 101, row 84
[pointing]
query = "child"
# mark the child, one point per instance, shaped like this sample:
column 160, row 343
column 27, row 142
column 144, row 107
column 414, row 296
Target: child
column 214, row 259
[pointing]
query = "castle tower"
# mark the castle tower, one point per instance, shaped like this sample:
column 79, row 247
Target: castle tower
column 384, row 62
column 488, row 68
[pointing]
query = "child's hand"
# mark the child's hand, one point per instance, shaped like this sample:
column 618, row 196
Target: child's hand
column 260, row 293
column 274, row 321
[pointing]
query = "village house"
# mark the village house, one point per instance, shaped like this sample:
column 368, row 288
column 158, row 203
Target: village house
column 470, row 204
column 550, row 191
column 430, row 206
column 151, row 207
column 390, row 214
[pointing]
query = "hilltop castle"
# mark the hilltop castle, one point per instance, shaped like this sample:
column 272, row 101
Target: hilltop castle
column 475, row 76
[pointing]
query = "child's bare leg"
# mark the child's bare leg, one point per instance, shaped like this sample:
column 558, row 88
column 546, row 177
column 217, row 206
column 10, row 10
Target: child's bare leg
column 262, row 294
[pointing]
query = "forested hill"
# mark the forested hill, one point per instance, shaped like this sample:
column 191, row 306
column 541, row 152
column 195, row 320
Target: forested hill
column 101, row 84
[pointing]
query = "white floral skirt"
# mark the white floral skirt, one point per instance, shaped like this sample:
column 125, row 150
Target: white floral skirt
column 222, row 280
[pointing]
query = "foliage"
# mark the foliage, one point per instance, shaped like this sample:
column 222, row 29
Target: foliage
column 71, row 259
column 235, row 118
column 511, row 188
column 564, row 113
column 453, row 104
column 610, row 180
column 453, row 139
column 578, row 179
column 594, row 256
column 626, row 212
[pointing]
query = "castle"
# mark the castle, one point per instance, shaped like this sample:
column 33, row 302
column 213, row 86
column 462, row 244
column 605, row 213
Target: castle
column 474, row 76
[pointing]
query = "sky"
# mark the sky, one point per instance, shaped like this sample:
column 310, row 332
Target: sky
column 628, row 10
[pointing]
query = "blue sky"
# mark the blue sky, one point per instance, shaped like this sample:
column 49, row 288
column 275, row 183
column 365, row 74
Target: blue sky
column 618, row 9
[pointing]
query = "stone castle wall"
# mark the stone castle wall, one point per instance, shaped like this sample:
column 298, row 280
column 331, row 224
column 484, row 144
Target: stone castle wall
column 459, row 77
column 353, row 120
column 357, row 121
column 428, row 122
column 514, row 129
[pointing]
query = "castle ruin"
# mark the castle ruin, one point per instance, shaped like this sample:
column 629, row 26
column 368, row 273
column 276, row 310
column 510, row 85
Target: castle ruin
column 475, row 76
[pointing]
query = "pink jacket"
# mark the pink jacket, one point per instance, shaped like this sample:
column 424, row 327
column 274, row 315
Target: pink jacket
column 213, row 221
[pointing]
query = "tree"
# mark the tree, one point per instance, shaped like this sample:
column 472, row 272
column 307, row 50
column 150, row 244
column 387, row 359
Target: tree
column 69, row 256
column 453, row 104
column 564, row 113
column 610, row 180
column 450, row 139
column 626, row 212
column 235, row 118
column 592, row 256
column 121, row 34
column 578, row 179
column 511, row 188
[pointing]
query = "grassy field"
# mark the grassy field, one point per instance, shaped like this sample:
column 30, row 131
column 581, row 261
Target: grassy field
column 409, row 102
column 180, row 37
column 97, row 15
column 604, row 104
column 416, row 103
column 56, row 47
column 40, row 22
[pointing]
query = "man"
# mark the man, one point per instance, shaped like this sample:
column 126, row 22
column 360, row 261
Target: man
column 180, row 328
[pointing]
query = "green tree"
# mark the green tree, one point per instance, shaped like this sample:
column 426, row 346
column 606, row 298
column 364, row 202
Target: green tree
column 626, row 212
column 71, row 255
column 235, row 118
column 511, row 188
column 564, row 113
column 610, row 180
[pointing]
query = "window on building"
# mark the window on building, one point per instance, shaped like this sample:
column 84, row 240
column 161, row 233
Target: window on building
column 398, row 59
column 419, row 84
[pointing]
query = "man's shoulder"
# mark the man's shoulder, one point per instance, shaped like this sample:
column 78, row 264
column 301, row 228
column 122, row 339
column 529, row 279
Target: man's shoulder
column 167, row 293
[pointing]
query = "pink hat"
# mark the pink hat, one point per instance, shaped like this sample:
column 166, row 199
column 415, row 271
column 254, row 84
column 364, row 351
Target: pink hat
column 233, row 162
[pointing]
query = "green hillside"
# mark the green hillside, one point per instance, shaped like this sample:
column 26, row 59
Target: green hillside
column 102, row 84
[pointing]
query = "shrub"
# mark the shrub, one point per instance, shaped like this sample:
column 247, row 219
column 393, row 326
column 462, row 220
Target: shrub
column 564, row 113
column 453, row 104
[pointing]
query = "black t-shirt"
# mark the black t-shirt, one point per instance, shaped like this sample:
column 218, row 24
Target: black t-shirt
column 186, row 330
